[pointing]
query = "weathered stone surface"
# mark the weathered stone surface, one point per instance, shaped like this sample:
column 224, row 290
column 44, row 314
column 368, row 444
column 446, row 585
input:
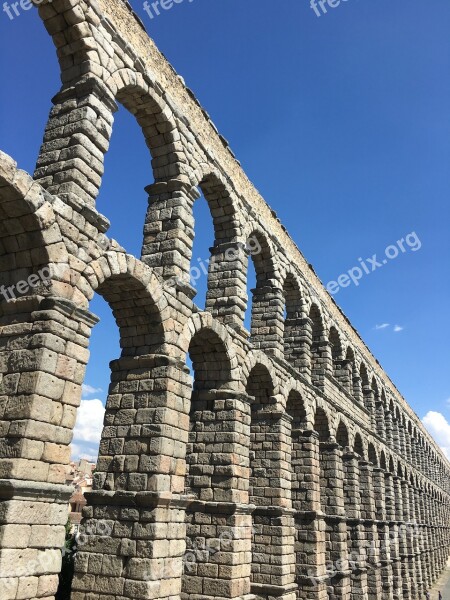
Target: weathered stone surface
column 289, row 468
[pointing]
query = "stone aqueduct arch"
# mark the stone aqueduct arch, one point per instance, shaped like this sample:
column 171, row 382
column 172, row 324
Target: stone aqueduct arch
column 291, row 468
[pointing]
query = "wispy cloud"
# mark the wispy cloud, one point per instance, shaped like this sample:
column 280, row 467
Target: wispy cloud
column 395, row 328
column 439, row 428
column 88, row 390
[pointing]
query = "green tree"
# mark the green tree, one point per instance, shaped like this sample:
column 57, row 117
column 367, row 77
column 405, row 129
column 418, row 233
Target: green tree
column 67, row 569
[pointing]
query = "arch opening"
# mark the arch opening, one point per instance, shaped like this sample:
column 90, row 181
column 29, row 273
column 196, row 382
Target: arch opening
column 211, row 371
column 222, row 259
column 203, row 240
column 372, row 455
column 321, row 425
column 25, row 268
column 266, row 310
column 124, row 177
column 358, row 446
column 342, row 436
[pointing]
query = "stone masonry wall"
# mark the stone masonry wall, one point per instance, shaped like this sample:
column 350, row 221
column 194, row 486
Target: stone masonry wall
column 287, row 466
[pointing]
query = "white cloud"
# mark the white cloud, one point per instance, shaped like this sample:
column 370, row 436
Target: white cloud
column 439, row 428
column 89, row 453
column 88, row 429
column 88, row 390
column 396, row 328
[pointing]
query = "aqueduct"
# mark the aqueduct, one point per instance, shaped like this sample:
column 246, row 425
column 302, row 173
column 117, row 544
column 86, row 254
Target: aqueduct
column 288, row 466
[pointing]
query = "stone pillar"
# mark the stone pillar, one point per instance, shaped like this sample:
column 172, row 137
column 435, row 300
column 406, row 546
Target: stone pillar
column 357, row 389
column 393, row 535
column 169, row 232
column 380, row 418
column 390, row 430
column 332, row 500
column 342, row 373
column 396, row 443
column 402, row 445
column 355, row 528
column 217, row 562
column 298, row 345
column 309, row 519
column 409, row 528
column 70, row 163
column 415, row 540
column 408, row 447
column 422, row 459
column 403, row 543
column 322, row 362
column 267, row 319
column 430, row 536
column 372, row 542
column 440, row 540
column 369, row 403
column 218, row 449
column 416, row 455
column 430, row 546
column 434, row 572
column 227, row 284
column 134, row 525
column 426, row 566
column 43, row 358
column 273, row 562
column 383, row 533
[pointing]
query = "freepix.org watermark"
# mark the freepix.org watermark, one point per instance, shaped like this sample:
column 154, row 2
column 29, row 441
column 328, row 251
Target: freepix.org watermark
column 153, row 9
column 15, row 9
column 23, row 287
column 323, row 4
column 211, row 265
column 367, row 554
column 201, row 551
column 369, row 265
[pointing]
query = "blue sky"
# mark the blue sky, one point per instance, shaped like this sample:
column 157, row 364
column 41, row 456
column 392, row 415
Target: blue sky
column 343, row 124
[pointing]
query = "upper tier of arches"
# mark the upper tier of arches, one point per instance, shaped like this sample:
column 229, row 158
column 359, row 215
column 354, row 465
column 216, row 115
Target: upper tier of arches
column 294, row 321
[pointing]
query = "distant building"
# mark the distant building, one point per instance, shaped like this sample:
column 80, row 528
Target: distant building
column 79, row 475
